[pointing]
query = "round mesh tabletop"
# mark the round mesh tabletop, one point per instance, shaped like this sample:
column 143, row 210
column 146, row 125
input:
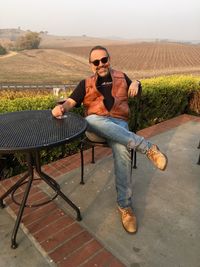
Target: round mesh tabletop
column 36, row 129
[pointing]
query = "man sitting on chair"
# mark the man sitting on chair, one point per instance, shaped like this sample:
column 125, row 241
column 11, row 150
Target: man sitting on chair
column 105, row 98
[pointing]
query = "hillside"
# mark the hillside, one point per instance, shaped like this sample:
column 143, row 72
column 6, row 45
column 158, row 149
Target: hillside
column 65, row 59
column 52, row 41
column 9, row 36
column 42, row 66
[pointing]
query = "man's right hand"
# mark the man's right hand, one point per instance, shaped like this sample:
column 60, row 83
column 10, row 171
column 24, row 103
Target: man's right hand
column 58, row 111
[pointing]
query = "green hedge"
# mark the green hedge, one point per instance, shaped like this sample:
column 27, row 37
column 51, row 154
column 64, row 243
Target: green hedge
column 26, row 103
column 162, row 98
column 166, row 97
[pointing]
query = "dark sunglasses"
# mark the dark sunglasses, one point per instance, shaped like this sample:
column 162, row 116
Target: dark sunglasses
column 96, row 62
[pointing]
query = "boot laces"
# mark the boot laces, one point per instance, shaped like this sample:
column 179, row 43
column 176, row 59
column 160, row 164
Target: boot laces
column 152, row 151
column 127, row 212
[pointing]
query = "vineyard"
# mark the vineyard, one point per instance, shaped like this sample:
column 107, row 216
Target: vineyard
column 150, row 59
column 62, row 64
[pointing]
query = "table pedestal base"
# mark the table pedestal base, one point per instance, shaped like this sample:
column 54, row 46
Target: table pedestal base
column 33, row 160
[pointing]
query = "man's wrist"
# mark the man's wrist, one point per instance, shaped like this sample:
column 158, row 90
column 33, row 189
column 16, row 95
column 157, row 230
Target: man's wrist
column 64, row 106
column 139, row 82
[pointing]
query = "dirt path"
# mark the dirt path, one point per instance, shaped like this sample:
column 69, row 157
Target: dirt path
column 10, row 54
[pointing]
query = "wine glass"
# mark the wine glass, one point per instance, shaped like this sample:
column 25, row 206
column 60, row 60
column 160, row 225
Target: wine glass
column 60, row 96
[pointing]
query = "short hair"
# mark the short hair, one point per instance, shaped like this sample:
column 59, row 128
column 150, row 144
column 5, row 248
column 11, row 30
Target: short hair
column 98, row 47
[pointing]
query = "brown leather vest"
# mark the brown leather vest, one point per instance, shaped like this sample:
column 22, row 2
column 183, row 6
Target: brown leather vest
column 93, row 100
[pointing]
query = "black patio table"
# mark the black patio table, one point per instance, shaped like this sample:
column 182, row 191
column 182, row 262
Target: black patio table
column 29, row 132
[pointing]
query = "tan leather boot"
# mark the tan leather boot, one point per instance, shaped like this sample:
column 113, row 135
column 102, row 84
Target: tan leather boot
column 128, row 220
column 157, row 157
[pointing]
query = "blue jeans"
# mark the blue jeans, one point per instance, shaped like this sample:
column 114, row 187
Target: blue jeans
column 121, row 140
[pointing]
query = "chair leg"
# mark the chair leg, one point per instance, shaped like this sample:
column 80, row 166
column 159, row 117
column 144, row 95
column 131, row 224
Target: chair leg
column 198, row 162
column 131, row 162
column 82, row 166
column 132, row 158
column 135, row 159
column 199, row 145
column 93, row 161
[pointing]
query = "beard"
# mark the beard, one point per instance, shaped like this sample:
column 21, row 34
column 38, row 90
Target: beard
column 102, row 71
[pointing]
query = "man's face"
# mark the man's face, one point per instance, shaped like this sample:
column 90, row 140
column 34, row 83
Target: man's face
column 99, row 62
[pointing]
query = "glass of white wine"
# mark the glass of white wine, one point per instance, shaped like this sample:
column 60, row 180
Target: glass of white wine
column 60, row 96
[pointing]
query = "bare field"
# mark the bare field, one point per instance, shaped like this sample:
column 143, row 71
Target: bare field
column 64, row 64
column 143, row 60
column 42, row 66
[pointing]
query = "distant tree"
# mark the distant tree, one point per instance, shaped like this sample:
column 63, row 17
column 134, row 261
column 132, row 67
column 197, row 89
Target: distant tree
column 44, row 32
column 30, row 40
column 3, row 50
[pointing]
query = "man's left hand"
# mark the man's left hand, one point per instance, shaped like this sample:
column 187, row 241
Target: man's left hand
column 134, row 88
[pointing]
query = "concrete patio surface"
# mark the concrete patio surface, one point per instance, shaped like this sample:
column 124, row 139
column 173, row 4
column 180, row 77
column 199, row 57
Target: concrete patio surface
column 27, row 254
column 166, row 205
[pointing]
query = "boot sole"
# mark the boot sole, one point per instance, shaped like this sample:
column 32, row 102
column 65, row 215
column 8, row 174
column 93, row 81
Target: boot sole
column 163, row 169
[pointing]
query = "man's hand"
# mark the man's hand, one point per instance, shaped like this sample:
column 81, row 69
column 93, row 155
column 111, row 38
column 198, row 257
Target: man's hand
column 58, row 111
column 134, row 88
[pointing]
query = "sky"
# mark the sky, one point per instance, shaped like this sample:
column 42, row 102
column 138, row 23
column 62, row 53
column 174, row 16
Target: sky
column 130, row 19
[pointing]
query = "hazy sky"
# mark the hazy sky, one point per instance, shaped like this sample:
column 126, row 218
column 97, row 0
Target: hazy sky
column 172, row 19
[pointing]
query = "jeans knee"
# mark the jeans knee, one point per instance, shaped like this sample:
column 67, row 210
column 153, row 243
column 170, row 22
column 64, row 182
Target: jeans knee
column 91, row 118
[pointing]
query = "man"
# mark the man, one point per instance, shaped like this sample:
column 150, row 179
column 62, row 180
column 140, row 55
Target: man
column 105, row 98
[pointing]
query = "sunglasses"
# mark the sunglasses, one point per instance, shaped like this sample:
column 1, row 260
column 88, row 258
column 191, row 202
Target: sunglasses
column 96, row 62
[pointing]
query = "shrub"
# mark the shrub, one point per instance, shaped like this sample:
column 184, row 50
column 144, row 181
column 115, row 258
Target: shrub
column 166, row 97
column 30, row 40
column 3, row 50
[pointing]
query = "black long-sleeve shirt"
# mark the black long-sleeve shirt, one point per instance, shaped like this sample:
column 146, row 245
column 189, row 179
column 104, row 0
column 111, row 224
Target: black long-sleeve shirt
column 104, row 86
